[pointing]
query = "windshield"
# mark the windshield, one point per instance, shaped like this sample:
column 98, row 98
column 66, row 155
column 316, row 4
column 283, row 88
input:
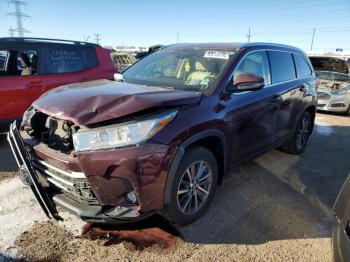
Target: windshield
column 188, row 69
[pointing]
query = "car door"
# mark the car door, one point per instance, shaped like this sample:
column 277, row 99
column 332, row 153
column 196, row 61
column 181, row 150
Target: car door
column 251, row 115
column 17, row 92
column 288, row 90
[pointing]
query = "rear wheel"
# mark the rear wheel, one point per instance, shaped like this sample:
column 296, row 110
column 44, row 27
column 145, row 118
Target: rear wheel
column 193, row 187
column 297, row 143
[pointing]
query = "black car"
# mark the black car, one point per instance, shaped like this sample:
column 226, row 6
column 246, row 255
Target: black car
column 151, row 50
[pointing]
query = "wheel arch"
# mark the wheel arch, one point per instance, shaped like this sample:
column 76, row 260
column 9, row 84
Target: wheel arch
column 312, row 111
column 214, row 140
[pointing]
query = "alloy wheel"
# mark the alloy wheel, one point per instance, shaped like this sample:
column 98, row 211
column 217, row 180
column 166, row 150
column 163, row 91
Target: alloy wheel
column 303, row 132
column 194, row 187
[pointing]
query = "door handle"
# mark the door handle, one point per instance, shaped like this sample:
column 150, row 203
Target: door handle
column 38, row 83
column 276, row 99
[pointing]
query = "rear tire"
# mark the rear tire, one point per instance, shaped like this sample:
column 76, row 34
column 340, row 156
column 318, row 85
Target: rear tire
column 296, row 144
column 193, row 187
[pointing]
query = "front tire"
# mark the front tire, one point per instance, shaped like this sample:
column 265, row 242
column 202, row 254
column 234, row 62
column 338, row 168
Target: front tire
column 298, row 142
column 193, row 187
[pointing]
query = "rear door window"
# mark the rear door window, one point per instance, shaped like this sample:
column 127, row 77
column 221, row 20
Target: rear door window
column 302, row 66
column 70, row 59
column 282, row 66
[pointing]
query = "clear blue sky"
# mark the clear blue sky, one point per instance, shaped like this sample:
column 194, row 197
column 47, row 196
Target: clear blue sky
column 143, row 23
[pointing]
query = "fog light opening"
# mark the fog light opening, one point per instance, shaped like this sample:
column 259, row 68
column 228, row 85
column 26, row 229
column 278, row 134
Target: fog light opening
column 131, row 197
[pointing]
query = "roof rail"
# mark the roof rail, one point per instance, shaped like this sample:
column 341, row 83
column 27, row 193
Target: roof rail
column 35, row 39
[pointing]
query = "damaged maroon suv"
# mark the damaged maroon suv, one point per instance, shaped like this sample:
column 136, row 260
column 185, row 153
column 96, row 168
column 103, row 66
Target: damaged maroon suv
column 160, row 137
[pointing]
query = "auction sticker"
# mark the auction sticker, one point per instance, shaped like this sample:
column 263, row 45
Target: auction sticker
column 216, row 54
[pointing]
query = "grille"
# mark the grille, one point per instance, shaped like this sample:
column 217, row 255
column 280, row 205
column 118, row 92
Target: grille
column 323, row 95
column 321, row 105
column 72, row 184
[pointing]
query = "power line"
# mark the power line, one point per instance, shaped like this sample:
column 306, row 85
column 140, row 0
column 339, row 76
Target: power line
column 19, row 16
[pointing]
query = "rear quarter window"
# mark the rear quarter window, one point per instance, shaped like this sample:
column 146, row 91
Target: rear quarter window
column 282, row 66
column 303, row 68
column 70, row 59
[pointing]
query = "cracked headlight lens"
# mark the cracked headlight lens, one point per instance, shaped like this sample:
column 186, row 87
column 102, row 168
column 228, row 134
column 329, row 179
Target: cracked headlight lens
column 121, row 135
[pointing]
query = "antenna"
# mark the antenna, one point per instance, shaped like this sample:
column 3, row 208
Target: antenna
column 19, row 16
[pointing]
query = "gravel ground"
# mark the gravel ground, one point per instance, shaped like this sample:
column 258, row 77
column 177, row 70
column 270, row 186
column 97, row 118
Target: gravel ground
column 275, row 208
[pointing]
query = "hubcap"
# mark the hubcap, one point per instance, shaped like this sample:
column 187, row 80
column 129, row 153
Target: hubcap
column 194, row 187
column 303, row 132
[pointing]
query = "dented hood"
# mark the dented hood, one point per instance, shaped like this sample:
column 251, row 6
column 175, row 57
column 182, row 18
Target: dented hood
column 96, row 101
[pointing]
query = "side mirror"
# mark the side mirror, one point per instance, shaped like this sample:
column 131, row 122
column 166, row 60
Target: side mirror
column 118, row 77
column 247, row 82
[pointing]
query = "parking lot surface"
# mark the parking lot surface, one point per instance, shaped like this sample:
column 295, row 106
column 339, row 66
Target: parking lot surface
column 274, row 208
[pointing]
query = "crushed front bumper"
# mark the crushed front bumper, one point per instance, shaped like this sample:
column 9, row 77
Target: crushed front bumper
column 23, row 159
column 89, row 209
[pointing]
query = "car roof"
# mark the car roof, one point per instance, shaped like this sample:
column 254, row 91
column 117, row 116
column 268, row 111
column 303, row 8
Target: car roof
column 41, row 41
column 235, row 45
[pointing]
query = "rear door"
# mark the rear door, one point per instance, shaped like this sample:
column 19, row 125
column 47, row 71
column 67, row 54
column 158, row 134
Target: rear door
column 287, row 92
column 66, row 64
column 17, row 92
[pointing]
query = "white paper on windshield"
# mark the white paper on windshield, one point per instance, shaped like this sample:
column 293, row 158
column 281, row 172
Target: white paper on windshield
column 216, row 54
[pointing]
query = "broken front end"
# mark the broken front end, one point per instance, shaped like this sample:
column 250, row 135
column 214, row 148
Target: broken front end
column 110, row 185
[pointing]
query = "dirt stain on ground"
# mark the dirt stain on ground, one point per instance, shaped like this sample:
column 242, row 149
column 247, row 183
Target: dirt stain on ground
column 7, row 175
column 48, row 241
column 143, row 234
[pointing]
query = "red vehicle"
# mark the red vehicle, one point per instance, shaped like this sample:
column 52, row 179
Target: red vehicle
column 31, row 66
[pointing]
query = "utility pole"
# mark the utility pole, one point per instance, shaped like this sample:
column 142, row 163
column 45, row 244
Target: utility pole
column 249, row 35
column 177, row 37
column 19, row 16
column 11, row 31
column 97, row 38
column 312, row 40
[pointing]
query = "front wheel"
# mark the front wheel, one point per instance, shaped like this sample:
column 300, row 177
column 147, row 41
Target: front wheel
column 193, row 187
column 297, row 143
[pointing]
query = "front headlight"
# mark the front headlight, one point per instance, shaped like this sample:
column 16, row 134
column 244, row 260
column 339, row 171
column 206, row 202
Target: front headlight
column 120, row 135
